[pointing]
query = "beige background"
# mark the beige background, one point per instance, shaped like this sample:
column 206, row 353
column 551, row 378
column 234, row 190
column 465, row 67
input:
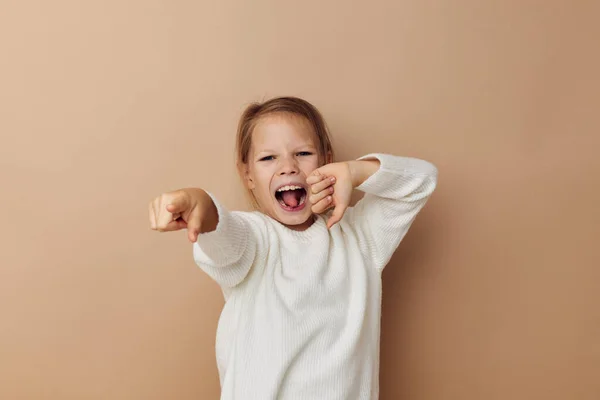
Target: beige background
column 494, row 294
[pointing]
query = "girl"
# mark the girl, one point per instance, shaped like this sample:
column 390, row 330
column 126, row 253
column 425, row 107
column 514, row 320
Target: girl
column 301, row 275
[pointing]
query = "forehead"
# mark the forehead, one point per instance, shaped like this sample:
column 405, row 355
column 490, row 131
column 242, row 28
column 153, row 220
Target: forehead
column 282, row 129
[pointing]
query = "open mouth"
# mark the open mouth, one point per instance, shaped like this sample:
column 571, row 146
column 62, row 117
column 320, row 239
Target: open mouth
column 291, row 197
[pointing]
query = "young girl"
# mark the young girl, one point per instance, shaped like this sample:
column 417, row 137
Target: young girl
column 302, row 274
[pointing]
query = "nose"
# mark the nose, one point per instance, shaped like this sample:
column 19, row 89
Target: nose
column 288, row 166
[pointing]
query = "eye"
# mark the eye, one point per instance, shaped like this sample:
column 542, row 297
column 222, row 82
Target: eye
column 305, row 153
column 266, row 158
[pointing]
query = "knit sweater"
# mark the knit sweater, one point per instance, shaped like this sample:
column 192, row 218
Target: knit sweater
column 302, row 313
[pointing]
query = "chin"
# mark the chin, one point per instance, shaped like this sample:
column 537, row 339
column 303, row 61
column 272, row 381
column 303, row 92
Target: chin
column 299, row 220
column 296, row 221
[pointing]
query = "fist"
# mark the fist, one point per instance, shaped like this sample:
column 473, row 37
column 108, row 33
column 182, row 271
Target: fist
column 176, row 210
column 331, row 187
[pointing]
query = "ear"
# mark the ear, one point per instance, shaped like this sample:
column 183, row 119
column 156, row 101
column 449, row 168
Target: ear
column 247, row 175
column 329, row 158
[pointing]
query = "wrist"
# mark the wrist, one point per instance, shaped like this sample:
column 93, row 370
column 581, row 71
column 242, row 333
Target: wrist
column 361, row 170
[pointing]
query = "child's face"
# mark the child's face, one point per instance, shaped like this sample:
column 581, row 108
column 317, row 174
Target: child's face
column 282, row 155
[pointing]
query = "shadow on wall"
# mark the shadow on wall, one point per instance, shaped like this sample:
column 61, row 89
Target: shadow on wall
column 408, row 283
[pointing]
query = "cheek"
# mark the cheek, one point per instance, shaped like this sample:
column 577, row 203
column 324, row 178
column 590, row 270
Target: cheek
column 262, row 183
column 309, row 164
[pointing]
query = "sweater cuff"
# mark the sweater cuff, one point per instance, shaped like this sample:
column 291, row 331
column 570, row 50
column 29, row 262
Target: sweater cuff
column 384, row 182
column 226, row 243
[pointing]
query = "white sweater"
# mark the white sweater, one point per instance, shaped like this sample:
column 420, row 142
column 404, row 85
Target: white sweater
column 302, row 313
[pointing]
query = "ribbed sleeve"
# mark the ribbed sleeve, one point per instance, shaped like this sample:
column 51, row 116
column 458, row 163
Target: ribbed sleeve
column 394, row 195
column 226, row 254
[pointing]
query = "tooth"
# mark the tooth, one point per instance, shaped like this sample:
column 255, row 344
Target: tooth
column 289, row 187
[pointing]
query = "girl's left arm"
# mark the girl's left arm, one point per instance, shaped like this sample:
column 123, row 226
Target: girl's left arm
column 396, row 189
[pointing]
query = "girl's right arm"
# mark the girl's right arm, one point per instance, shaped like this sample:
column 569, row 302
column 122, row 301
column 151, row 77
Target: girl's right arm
column 224, row 245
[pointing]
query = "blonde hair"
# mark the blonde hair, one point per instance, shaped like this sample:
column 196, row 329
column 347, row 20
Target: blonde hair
column 287, row 105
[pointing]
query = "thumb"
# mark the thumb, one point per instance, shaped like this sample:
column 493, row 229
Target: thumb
column 178, row 205
column 336, row 216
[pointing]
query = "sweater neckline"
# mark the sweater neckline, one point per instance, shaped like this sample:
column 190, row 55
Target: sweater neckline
column 306, row 235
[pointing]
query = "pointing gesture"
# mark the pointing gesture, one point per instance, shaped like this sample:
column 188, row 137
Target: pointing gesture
column 190, row 209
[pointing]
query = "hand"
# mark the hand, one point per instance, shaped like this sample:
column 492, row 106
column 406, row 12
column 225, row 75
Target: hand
column 181, row 209
column 331, row 186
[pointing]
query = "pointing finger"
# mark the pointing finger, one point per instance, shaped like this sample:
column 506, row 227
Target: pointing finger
column 194, row 225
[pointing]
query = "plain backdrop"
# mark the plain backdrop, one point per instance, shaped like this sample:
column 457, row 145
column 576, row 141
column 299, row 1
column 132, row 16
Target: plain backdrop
column 493, row 294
